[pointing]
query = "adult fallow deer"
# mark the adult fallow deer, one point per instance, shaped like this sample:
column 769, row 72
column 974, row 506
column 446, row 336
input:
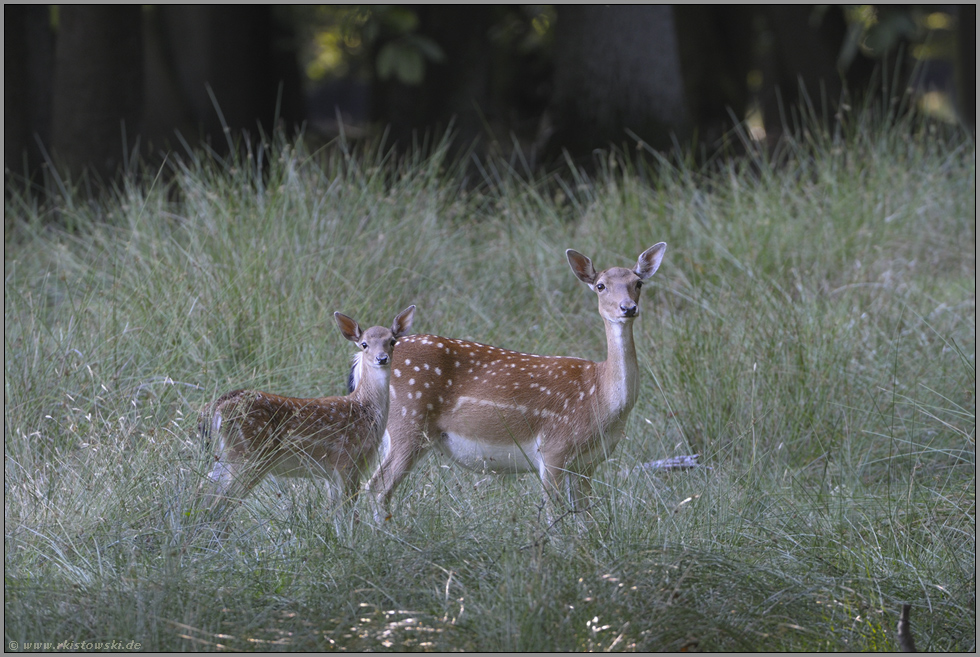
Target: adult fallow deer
column 501, row 411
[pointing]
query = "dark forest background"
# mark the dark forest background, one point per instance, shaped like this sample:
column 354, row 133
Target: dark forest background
column 93, row 89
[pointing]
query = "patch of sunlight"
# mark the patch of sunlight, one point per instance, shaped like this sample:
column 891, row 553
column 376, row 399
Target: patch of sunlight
column 328, row 56
column 757, row 128
column 938, row 104
column 938, row 21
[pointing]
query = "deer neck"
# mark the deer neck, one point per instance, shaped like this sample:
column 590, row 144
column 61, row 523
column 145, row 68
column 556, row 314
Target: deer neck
column 371, row 388
column 618, row 374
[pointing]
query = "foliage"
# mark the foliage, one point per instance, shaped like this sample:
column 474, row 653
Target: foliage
column 336, row 36
column 812, row 332
column 877, row 31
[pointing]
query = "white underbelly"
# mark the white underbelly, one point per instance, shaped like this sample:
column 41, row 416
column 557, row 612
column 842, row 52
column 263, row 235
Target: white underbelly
column 487, row 457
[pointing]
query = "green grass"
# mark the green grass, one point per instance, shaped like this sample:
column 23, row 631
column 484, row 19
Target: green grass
column 811, row 332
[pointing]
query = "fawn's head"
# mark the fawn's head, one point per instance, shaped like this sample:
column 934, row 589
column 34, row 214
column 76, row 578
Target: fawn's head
column 618, row 288
column 376, row 343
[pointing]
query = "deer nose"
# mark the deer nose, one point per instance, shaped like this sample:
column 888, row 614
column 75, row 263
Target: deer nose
column 629, row 309
column 382, row 359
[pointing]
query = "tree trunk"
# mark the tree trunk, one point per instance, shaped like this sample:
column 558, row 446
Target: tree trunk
column 716, row 50
column 617, row 68
column 807, row 45
column 966, row 65
column 98, row 87
column 16, row 127
column 28, row 70
column 234, row 50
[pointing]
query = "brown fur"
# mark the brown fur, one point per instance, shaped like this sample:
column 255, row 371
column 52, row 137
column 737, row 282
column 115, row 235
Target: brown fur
column 259, row 433
column 503, row 411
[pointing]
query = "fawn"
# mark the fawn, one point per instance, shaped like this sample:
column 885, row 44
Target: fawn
column 258, row 433
column 494, row 410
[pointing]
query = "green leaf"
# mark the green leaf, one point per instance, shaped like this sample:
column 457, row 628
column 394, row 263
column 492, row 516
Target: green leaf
column 426, row 46
column 402, row 60
column 410, row 67
column 399, row 19
column 385, row 62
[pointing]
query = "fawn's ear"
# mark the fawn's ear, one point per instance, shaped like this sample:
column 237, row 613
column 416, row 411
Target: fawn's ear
column 403, row 322
column 581, row 266
column 348, row 327
column 649, row 261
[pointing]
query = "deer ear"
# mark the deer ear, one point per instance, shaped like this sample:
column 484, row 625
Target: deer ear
column 581, row 266
column 403, row 322
column 649, row 261
column 348, row 327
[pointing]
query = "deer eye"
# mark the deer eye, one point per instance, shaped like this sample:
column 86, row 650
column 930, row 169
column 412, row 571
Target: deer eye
column 393, row 341
column 639, row 284
column 600, row 286
column 364, row 345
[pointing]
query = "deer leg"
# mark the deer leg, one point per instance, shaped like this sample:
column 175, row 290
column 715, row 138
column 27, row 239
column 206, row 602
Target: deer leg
column 579, row 489
column 396, row 463
column 221, row 477
column 230, row 479
column 350, row 480
column 552, row 477
column 213, row 492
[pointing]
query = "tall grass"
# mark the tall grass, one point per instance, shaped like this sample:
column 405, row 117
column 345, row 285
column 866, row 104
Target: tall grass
column 812, row 333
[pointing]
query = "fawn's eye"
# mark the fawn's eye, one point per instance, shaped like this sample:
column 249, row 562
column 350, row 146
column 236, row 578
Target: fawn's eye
column 393, row 341
column 639, row 284
column 364, row 345
column 600, row 286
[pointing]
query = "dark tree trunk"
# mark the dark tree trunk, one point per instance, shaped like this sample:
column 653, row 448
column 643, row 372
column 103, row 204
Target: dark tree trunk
column 617, row 68
column 28, row 70
column 16, row 126
column 98, row 87
column 233, row 49
column 807, row 46
column 114, row 77
column 966, row 65
column 716, row 51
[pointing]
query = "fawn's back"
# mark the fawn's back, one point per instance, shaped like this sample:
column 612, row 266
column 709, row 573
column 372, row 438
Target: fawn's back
column 296, row 436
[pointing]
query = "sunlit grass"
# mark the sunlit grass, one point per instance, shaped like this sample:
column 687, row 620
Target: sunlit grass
column 811, row 334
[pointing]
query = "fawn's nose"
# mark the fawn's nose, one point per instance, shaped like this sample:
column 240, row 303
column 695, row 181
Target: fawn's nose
column 629, row 309
column 382, row 359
